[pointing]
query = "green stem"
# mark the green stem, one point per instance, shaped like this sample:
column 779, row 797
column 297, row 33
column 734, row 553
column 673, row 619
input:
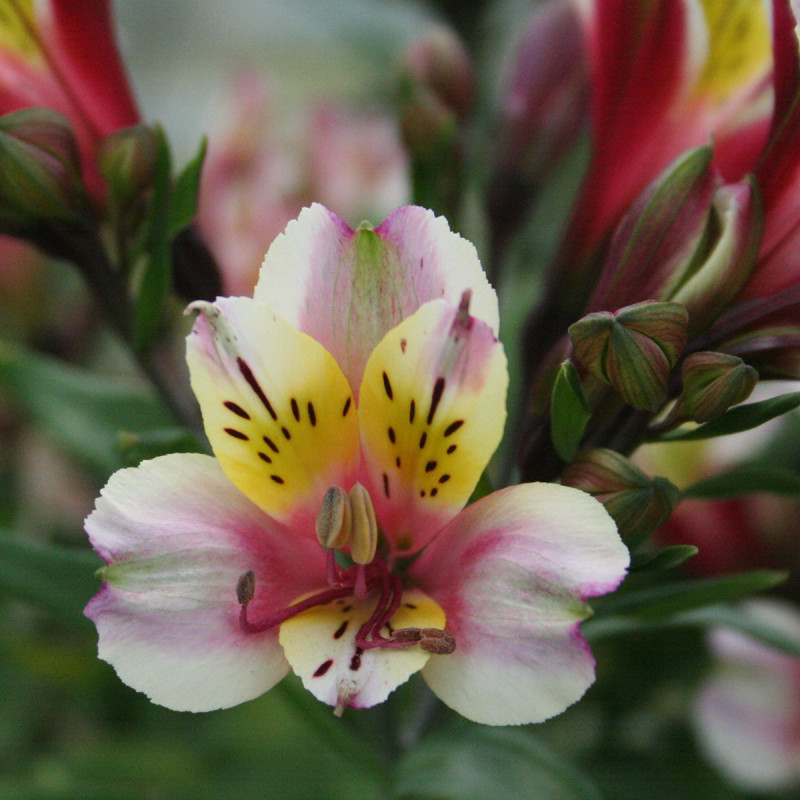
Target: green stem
column 83, row 248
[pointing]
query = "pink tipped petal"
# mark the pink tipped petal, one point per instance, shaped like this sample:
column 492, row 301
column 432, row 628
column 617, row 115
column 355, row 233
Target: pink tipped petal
column 178, row 535
column 277, row 409
column 431, row 410
column 511, row 573
column 348, row 288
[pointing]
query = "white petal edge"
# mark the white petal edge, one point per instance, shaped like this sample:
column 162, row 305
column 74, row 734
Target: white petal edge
column 178, row 535
column 511, row 573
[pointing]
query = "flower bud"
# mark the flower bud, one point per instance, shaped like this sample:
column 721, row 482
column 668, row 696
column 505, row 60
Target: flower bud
column 435, row 90
column 39, row 171
column 633, row 349
column 439, row 63
column 713, row 382
column 637, row 503
column 658, row 240
column 708, row 288
column 127, row 161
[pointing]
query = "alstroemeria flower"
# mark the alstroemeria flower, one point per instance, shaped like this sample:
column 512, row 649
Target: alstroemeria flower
column 63, row 55
column 747, row 713
column 353, row 403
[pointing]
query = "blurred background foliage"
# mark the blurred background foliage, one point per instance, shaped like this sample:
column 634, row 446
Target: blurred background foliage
column 74, row 408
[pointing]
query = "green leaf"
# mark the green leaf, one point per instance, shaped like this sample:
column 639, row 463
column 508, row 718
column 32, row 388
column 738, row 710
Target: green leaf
column 136, row 447
column 570, row 411
column 185, row 192
column 481, row 763
column 738, row 419
column 662, row 601
column 663, row 559
column 156, row 282
column 745, row 479
column 58, row 579
column 730, row 616
column 83, row 411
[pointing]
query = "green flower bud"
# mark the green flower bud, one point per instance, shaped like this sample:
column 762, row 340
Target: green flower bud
column 637, row 503
column 713, row 382
column 634, row 349
column 127, row 161
column 39, row 171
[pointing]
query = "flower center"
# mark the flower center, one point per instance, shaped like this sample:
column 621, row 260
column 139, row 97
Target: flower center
column 348, row 520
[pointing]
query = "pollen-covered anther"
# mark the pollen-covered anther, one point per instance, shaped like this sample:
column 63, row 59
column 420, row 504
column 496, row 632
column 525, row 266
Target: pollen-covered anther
column 432, row 640
column 437, row 641
column 364, row 534
column 334, row 521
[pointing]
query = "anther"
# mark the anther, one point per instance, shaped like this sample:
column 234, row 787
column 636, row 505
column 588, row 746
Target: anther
column 246, row 587
column 333, row 523
column 407, row 635
column 431, row 640
column 439, row 642
column 364, row 539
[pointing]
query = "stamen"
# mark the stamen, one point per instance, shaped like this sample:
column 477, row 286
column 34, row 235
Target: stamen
column 334, row 575
column 364, row 538
column 333, row 522
column 360, row 589
column 437, row 641
column 319, row 599
column 432, row 640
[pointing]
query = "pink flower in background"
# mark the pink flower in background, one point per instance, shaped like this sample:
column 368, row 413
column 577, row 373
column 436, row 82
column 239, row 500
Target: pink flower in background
column 747, row 714
column 63, row 55
column 353, row 403
column 260, row 172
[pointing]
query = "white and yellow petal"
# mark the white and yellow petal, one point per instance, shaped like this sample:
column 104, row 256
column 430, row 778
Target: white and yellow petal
column 177, row 535
column 348, row 288
column 277, row 409
column 320, row 644
column 512, row 573
column 431, row 410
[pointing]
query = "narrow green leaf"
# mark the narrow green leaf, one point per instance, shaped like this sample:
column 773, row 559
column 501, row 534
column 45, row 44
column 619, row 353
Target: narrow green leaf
column 665, row 600
column 663, row 559
column 136, row 447
column 729, row 616
column 745, row 479
column 58, row 579
column 83, row 411
column 184, row 195
column 156, row 281
column 738, row 419
column 481, row 763
column 570, row 411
